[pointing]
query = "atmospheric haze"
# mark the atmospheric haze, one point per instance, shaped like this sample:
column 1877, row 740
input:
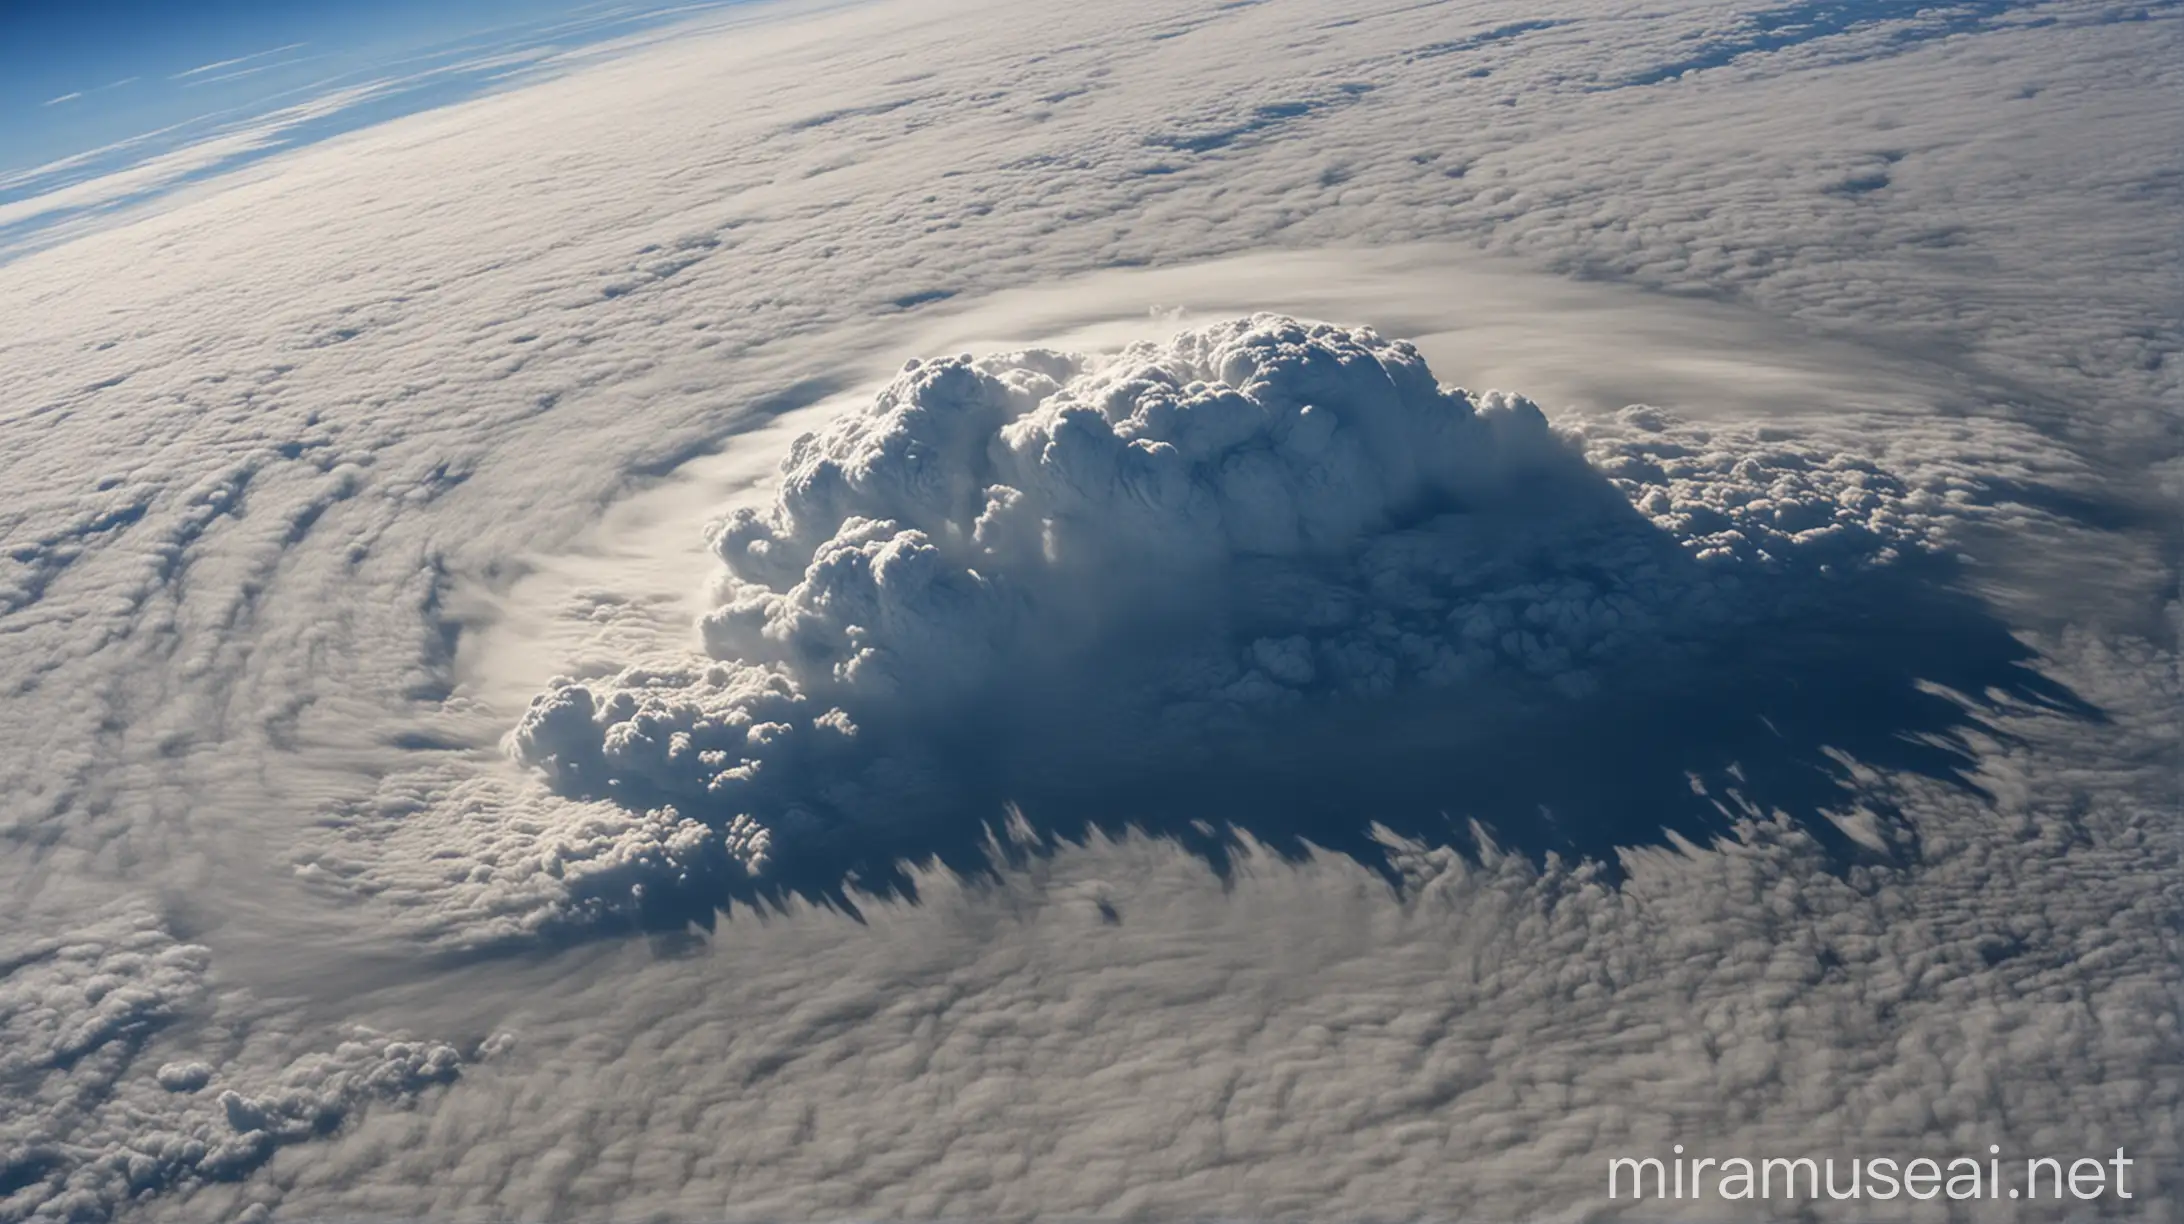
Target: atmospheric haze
column 1268, row 610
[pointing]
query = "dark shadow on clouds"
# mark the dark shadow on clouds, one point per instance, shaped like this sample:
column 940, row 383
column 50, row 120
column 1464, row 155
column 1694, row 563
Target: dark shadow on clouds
column 1884, row 669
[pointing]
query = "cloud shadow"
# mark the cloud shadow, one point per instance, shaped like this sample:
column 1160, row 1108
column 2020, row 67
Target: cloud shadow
column 1886, row 668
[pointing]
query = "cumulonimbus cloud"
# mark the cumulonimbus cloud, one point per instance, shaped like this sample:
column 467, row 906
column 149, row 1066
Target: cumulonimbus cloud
column 1269, row 575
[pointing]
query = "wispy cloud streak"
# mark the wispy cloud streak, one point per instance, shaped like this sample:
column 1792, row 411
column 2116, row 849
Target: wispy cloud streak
column 240, row 59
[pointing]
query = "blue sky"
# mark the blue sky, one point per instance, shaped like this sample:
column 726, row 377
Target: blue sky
column 88, row 89
column 74, row 76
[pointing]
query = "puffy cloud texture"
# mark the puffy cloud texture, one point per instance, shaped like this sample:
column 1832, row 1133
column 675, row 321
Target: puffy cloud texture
column 269, row 450
column 104, row 1106
column 1271, row 576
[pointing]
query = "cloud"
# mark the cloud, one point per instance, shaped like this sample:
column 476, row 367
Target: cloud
column 277, row 454
column 1104, row 1026
column 94, row 1118
column 216, row 65
column 1271, row 577
column 240, row 73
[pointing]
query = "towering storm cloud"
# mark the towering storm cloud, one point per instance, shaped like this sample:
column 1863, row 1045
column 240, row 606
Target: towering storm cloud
column 1233, row 778
column 1269, row 576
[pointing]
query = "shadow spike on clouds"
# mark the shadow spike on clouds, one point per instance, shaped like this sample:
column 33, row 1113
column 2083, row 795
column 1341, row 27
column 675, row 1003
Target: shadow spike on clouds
column 1272, row 580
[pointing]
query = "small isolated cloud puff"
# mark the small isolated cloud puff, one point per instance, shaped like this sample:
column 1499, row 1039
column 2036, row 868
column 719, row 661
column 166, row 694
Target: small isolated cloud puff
column 1080, row 587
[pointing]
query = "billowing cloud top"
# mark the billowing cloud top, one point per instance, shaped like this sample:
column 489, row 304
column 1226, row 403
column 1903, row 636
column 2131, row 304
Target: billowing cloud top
column 272, row 455
column 1051, row 581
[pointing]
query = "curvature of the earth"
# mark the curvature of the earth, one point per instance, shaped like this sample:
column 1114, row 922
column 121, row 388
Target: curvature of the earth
column 311, row 479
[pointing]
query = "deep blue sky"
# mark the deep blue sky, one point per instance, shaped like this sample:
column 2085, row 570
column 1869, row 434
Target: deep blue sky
column 87, row 47
column 103, row 85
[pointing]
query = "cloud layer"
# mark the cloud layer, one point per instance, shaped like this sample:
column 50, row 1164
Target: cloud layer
column 270, row 454
column 95, row 1119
